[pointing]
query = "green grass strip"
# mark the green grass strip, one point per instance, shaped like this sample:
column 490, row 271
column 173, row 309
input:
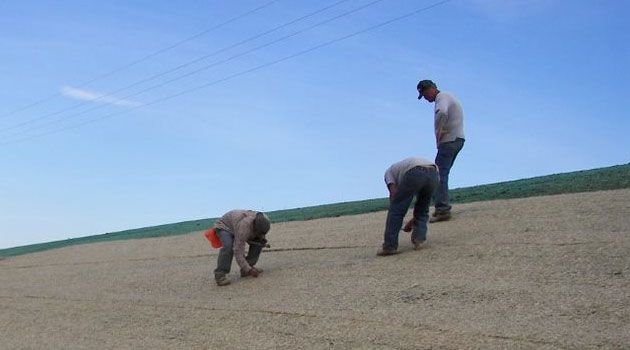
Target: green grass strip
column 610, row 178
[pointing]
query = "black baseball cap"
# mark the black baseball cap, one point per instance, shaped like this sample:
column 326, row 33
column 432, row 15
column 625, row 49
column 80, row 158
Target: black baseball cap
column 261, row 224
column 425, row 84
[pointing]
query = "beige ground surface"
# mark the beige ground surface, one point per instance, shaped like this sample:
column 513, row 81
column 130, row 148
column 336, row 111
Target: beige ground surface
column 538, row 273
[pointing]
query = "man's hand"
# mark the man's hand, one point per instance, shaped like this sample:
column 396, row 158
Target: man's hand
column 254, row 272
column 409, row 225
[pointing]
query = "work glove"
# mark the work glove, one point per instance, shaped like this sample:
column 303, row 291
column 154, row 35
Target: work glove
column 254, row 272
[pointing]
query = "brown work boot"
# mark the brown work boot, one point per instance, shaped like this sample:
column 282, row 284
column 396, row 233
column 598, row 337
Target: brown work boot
column 386, row 252
column 440, row 216
column 222, row 280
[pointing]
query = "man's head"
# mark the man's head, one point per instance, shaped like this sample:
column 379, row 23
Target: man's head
column 428, row 90
column 261, row 224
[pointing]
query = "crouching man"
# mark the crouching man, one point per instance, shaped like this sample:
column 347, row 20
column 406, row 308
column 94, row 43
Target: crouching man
column 409, row 178
column 236, row 228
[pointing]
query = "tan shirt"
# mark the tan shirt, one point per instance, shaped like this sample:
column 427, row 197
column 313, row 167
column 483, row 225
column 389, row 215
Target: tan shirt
column 240, row 223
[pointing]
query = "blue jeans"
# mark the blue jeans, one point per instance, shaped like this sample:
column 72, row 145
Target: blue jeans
column 418, row 182
column 226, row 254
column 447, row 152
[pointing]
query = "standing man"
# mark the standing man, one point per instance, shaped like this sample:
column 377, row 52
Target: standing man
column 236, row 228
column 449, row 136
column 409, row 178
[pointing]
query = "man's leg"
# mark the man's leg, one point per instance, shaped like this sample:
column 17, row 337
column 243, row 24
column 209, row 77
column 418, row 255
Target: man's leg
column 397, row 210
column 253, row 254
column 447, row 152
column 224, row 261
column 421, row 208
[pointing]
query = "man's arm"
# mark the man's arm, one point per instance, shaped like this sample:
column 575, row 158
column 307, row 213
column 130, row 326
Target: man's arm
column 390, row 182
column 239, row 254
column 242, row 233
column 441, row 119
column 392, row 191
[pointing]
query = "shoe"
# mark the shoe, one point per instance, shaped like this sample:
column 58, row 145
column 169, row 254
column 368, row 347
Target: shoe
column 245, row 274
column 222, row 280
column 417, row 245
column 386, row 252
column 437, row 217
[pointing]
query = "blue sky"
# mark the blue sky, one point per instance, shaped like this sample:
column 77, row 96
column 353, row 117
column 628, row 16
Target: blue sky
column 544, row 85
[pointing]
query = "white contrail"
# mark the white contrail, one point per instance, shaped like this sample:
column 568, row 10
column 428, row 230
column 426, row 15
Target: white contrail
column 96, row 97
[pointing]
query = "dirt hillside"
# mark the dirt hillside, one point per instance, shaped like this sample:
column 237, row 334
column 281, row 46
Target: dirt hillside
column 537, row 273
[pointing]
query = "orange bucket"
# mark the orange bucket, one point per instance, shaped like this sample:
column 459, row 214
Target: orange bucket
column 213, row 238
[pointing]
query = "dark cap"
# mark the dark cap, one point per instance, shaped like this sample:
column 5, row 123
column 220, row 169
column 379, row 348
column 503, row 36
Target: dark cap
column 423, row 85
column 261, row 224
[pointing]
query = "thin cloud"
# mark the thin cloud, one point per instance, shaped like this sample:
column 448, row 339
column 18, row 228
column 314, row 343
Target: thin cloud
column 84, row 95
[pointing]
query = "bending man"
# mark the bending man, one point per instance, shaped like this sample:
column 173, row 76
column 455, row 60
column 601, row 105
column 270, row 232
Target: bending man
column 409, row 178
column 236, row 228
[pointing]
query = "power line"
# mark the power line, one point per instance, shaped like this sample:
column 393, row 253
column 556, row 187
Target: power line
column 247, row 71
column 181, row 66
column 214, row 64
column 142, row 59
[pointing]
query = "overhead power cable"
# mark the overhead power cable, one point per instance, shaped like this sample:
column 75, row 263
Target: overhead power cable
column 145, row 58
column 158, row 75
column 203, row 68
column 244, row 72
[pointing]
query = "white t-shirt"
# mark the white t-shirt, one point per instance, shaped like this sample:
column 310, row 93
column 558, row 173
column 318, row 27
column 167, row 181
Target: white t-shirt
column 449, row 118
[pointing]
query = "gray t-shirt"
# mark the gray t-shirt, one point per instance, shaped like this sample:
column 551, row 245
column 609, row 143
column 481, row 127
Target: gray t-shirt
column 395, row 173
column 449, row 118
